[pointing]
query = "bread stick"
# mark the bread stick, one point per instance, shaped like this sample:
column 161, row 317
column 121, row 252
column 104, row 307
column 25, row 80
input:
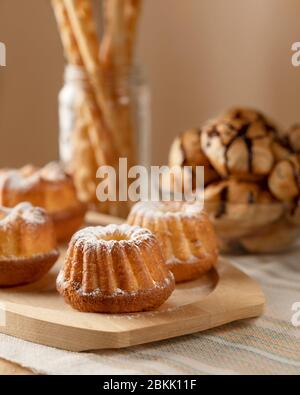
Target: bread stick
column 81, row 19
column 71, row 50
column 133, row 10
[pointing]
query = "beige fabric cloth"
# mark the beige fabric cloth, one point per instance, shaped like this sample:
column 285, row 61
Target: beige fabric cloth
column 268, row 345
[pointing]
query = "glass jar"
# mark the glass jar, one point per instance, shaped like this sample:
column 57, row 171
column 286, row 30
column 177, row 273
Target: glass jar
column 75, row 92
column 70, row 97
column 255, row 228
column 141, row 99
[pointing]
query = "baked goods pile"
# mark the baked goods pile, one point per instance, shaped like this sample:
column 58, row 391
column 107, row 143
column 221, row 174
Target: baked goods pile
column 117, row 269
column 252, row 178
column 114, row 269
column 104, row 130
column 130, row 268
column 49, row 187
column 38, row 208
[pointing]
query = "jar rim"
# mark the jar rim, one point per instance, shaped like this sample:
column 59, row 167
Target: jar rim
column 75, row 72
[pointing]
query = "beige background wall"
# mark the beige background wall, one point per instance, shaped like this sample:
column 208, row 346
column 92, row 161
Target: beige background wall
column 201, row 56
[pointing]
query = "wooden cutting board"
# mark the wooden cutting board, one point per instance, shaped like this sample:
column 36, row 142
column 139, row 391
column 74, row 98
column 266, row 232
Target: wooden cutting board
column 37, row 313
column 11, row 369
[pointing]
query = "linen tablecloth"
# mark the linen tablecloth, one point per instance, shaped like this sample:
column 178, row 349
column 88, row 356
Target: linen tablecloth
column 267, row 345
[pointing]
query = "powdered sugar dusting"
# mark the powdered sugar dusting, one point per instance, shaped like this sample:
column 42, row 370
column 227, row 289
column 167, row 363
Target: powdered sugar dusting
column 117, row 293
column 29, row 176
column 105, row 239
column 111, row 235
column 16, row 181
column 24, row 212
column 167, row 209
column 53, row 172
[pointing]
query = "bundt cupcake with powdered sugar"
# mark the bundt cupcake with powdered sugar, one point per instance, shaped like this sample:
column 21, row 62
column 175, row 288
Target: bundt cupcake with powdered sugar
column 115, row 269
column 49, row 187
column 27, row 244
column 185, row 233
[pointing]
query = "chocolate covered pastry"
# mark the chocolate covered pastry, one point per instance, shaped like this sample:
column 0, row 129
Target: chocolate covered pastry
column 287, row 143
column 247, row 115
column 254, row 202
column 284, row 180
column 293, row 136
column 240, row 145
column 281, row 149
column 186, row 151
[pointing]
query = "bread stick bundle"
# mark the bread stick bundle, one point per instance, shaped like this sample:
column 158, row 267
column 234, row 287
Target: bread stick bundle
column 81, row 19
column 94, row 142
column 106, row 131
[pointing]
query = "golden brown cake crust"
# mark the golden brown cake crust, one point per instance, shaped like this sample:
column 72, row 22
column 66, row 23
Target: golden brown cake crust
column 115, row 269
column 143, row 300
column 186, row 236
column 27, row 244
column 21, row 271
column 190, row 271
column 67, row 222
column 49, row 187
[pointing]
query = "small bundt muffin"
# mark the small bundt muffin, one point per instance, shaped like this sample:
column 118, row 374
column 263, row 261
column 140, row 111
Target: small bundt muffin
column 186, row 151
column 27, row 244
column 239, row 144
column 50, row 188
column 236, row 207
column 284, row 180
column 115, row 269
column 186, row 236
